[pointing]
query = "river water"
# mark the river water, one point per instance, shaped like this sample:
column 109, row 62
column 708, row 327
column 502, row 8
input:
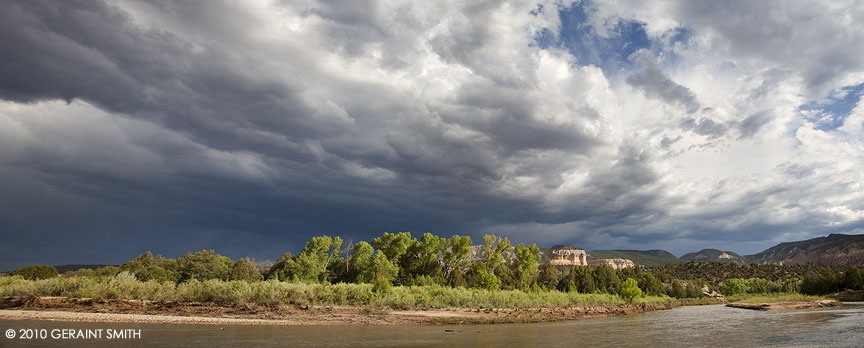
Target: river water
column 696, row 326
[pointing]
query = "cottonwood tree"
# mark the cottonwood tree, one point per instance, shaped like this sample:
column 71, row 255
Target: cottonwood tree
column 245, row 269
column 148, row 267
column 456, row 258
column 525, row 266
column 204, row 265
column 630, row 290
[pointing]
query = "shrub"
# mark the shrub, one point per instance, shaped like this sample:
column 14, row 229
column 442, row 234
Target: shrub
column 35, row 272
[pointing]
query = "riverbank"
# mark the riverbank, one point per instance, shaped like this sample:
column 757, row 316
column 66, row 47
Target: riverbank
column 135, row 311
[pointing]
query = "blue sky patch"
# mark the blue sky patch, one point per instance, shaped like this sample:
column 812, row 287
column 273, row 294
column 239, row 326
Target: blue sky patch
column 831, row 113
column 608, row 53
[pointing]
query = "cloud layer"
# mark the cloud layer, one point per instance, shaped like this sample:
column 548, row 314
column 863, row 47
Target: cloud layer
column 250, row 126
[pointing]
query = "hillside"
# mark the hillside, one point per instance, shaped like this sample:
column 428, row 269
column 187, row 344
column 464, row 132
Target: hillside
column 835, row 249
column 640, row 257
column 714, row 255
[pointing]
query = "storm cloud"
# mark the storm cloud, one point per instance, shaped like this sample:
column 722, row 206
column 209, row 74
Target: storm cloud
column 249, row 127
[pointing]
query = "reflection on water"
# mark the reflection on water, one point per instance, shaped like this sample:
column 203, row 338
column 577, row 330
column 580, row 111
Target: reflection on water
column 699, row 326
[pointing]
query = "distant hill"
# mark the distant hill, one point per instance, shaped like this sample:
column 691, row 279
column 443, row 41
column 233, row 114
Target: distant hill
column 714, row 255
column 835, row 249
column 65, row 268
column 640, row 257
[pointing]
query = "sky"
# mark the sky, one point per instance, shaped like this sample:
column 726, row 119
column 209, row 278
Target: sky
column 250, row 126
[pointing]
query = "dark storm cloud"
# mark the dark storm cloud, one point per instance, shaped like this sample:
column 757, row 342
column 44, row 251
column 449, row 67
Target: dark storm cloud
column 209, row 143
column 248, row 128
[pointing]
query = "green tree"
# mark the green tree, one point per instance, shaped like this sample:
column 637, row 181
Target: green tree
column 480, row 277
column 677, row 290
column 359, row 261
column 548, row 277
column 393, row 245
column 853, row 279
column 694, row 290
column 789, row 285
column 526, row 264
column 36, row 272
column 311, row 263
column 423, row 259
column 735, row 286
column 204, row 265
column 279, row 269
column 380, row 272
column 606, row 279
column 650, row 285
column 456, row 256
column 584, row 279
column 629, row 290
column 148, row 267
column 244, row 269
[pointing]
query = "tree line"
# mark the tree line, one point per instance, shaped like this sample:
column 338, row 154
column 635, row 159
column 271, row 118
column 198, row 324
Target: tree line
column 400, row 259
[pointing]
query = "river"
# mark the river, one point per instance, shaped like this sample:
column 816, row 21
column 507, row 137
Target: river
column 695, row 326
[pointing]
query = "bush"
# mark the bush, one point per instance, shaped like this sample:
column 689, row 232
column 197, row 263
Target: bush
column 35, row 272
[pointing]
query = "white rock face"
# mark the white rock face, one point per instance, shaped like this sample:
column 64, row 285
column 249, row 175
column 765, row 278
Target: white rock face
column 614, row 263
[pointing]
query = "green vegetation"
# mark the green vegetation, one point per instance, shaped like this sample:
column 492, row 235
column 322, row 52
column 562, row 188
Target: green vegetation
column 630, row 290
column 35, row 272
column 271, row 292
column 397, row 270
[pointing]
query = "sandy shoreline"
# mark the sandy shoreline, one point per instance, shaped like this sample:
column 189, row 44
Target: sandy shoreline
column 131, row 311
column 786, row 306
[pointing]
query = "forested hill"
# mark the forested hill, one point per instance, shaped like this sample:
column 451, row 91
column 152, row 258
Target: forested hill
column 835, row 249
column 713, row 255
column 640, row 257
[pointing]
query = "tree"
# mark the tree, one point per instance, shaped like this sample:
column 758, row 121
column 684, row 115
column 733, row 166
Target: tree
column 677, row 290
column 694, row 290
column 735, row 286
column 456, row 256
column 311, row 263
column 789, row 285
column 650, row 285
column 629, row 290
column 204, row 265
column 853, row 279
column 380, row 272
column 583, row 278
column 35, row 272
column 481, row 278
column 148, row 267
column 279, row 269
column 606, row 279
column 526, row 264
column 548, row 277
column 244, row 269
column 423, row 260
column 359, row 261
column 393, row 245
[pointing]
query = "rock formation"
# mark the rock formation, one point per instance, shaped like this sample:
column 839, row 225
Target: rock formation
column 569, row 257
column 614, row 263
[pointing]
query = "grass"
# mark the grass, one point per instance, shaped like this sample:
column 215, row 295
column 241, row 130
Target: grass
column 774, row 298
column 273, row 292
